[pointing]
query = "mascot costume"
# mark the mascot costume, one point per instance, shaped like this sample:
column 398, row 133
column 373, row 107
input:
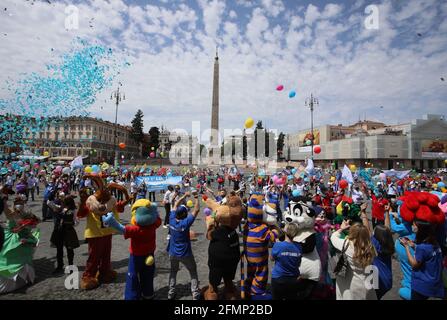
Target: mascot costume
column 223, row 251
column 413, row 205
column 20, row 239
column 258, row 235
column 303, row 215
column 99, row 237
column 141, row 231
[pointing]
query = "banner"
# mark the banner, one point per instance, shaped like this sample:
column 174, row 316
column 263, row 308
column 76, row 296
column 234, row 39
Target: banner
column 434, row 148
column 156, row 183
column 347, row 175
column 397, row 174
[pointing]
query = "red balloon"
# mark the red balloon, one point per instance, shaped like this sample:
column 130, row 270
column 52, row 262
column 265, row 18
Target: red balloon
column 343, row 184
column 317, row 149
column 280, row 87
column 152, row 154
column 122, row 145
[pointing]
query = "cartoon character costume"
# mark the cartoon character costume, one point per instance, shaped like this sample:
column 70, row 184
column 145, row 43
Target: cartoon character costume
column 16, row 256
column 99, row 237
column 144, row 223
column 303, row 215
column 223, row 251
column 257, row 238
column 413, row 205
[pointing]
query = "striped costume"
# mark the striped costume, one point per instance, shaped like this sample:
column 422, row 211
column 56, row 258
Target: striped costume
column 257, row 236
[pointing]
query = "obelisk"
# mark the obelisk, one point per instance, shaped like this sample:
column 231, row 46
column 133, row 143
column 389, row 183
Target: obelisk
column 214, row 138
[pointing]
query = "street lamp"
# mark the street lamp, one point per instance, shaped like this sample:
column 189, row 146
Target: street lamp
column 118, row 97
column 311, row 102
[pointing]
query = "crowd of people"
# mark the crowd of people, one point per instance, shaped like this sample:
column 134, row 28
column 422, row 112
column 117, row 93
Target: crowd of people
column 327, row 236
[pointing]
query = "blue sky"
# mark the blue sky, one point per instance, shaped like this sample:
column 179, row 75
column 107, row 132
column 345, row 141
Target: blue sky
column 315, row 46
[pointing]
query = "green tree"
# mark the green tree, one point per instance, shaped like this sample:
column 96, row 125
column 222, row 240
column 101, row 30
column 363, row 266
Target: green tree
column 280, row 143
column 137, row 127
column 154, row 138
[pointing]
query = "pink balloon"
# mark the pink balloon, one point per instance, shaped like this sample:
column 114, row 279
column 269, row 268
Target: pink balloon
column 280, row 87
column 152, row 154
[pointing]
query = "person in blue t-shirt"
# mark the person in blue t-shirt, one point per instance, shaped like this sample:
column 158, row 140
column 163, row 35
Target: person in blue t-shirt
column 382, row 240
column 179, row 247
column 287, row 256
column 426, row 277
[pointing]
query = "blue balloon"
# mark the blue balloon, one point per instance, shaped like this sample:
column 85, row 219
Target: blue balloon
column 292, row 94
column 96, row 168
column 441, row 184
column 290, row 177
column 296, row 193
column 293, row 171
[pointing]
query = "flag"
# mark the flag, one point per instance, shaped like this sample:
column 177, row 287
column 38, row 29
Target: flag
column 310, row 166
column 76, row 163
column 397, row 174
column 347, row 175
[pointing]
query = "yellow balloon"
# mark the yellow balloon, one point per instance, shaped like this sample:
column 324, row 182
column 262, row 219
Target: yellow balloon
column 435, row 186
column 88, row 169
column 445, row 161
column 249, row 123
column 46, row 154
column 150, row 260
column 332, row 179
column 352, row 167
column 189, row 204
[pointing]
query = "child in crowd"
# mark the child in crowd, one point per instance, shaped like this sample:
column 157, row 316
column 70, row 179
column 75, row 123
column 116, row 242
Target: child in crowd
column 285, row 273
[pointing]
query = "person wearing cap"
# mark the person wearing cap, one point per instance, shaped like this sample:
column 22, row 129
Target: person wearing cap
column 179, row 246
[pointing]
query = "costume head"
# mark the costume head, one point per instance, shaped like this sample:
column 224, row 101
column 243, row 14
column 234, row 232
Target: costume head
column 347, row 209
column 102, row 202
column 144, row 213
column 228, row 214
column 269, row 214
column 443, row 204
column 255, row 212
column 421, row 206
column 303, row 215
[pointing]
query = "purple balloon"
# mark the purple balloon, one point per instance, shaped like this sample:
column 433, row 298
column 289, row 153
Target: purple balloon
column 207, row 211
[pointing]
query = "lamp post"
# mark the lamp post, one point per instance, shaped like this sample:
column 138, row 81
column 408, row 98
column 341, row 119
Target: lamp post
column 311, row 102
column 118, row 96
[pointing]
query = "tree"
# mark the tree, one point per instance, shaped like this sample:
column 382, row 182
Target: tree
column 137, row 127
column 280, row 143
column 154, row 138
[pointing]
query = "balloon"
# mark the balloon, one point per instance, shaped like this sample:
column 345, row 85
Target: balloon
column 152, row 154
column 88, row 169
column 290, row 177
column 249, row 123
column 292, row 94
column 441, row 184
column 445, row 161
column 189, row 204
column 46, row 153
column 96, row 168
column 58, row 169
column 207, row 211
column 317, row 149
column 280, row 87
column 308, row 142
column 122, row 145
column 295, row 193
column 343, row 184
column 66, row 170
column 13, row 154
column 274, row 178
column 162, row 154
column 332, row 179
column 293, row 171
column 352, row 167
column 152, row 148
column 150, row 260
column 105, row 166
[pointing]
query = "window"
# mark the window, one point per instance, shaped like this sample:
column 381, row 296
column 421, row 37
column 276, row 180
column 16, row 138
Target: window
column 94, row 128
column 48, row 135
column 41, row 135
column 72, row 136
column 73, row 128
column 66, row 135
column 65, row 127
column 80, row 127
column 88, row 127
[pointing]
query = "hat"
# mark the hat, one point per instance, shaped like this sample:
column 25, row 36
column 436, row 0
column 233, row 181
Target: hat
column 182, row 210
column 146, row 216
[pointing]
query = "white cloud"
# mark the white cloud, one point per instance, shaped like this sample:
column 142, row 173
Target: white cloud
column 325, row 50
column 273, row 7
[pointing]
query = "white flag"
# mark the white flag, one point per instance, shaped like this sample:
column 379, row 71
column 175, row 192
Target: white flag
column 76, row 163
column 347, row 175
column 310, row 166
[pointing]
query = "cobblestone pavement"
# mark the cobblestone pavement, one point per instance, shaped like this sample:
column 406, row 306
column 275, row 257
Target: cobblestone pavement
column 50, row 287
